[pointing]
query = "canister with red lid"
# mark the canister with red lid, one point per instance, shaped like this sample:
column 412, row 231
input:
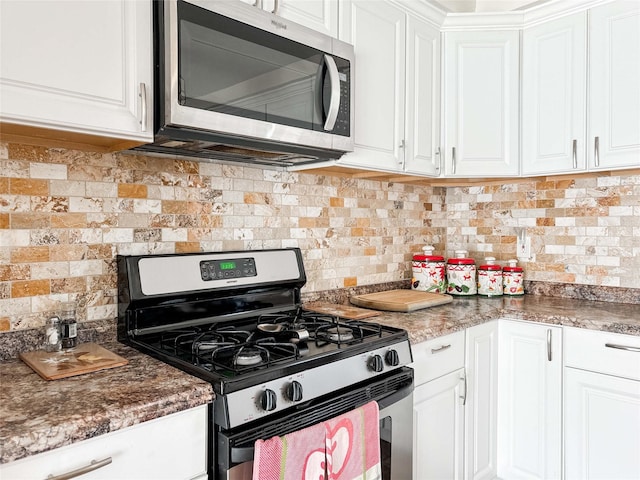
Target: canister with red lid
column 513, row 279
column 461, row 274
column 428, row 272
column 490, row 278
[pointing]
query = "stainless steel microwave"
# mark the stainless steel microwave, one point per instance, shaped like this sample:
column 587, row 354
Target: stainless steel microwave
column 236, row 82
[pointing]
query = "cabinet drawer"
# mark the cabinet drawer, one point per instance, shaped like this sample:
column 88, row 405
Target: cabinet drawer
column 603, row 352
column 173, row 447
column 437, row 357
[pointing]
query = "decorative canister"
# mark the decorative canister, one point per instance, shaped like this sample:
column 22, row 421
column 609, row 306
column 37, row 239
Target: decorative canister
column 490, row 278
column 513, row 279
column 428, row 272
column 461, row 274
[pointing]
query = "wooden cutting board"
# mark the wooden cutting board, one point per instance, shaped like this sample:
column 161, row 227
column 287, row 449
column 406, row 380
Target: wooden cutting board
column 343, row 311
column 400, row 300
column 84, row 358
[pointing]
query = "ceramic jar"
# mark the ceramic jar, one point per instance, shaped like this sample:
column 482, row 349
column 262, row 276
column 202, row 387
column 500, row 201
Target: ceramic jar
column 461, row 274
column 428, row 272
column 490, row 278
column 513, row 279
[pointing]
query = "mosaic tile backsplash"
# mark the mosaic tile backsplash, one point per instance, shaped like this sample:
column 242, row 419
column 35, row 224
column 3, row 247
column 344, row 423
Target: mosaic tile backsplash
column 66, row 214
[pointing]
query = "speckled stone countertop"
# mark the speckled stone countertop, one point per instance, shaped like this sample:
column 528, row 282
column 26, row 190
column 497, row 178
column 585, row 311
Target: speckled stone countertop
column 465, row 312
column 37, row 415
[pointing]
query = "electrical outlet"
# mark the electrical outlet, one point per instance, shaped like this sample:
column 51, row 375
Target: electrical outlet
column 524, row 247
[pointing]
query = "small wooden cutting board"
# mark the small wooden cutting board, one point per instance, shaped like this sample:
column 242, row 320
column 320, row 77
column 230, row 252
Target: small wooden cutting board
column 343, row 311
column 84, row 358
column 400, row 300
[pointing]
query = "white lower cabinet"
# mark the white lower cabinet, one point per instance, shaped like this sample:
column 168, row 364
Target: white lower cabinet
column 438, row 408
column 602, row 405
column 171, row 447
column 481, row 410
column 529, row 400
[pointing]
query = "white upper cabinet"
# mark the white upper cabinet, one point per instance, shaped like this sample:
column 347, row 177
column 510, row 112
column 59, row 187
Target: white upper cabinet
column 481, row 103
column 614, row 92
column 319, row 15
column 554, row 100
column 81, row 67
column 396, row 88
column 422, row 112
column 377, row 31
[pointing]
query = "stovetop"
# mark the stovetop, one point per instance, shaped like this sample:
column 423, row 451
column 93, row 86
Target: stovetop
column 239, row 354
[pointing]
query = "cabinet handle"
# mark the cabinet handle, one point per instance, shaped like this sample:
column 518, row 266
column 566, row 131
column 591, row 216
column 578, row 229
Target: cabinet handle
column 549, row 333
column 464, row 396
column 622, row 347
column 94, row 465
column 453, row 160
column 143, row 106
column 596, row 151
column 276, row 5
column 440, row 348
column 438, row 162
column 575, row 153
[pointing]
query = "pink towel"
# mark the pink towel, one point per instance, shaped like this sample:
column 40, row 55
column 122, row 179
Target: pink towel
column 344, row 448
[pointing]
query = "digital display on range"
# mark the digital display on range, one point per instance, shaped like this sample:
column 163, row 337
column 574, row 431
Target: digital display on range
column 227, row 269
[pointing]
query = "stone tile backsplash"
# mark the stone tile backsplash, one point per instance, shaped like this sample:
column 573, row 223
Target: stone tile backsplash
column 66, row 214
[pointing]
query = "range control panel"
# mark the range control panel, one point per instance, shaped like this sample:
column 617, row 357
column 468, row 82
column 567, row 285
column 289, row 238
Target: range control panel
column 221, row 269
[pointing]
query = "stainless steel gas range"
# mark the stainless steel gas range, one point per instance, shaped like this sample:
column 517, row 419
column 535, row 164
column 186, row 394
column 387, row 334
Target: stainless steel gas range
column 235, row 319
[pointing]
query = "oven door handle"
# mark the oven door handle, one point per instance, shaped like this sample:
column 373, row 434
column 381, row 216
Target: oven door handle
column 246, row 454
column 242, row 454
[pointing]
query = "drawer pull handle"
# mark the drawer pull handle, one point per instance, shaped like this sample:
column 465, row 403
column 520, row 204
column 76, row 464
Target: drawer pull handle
column 94, row 465
column 622, row 347
column 549, row 333
column 441, row 348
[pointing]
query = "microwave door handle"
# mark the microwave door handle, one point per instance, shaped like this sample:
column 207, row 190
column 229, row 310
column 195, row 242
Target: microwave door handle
column 334, row 103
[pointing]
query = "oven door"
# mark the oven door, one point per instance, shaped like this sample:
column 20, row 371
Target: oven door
column 394, row 395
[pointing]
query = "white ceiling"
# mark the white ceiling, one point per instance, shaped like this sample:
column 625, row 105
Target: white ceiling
column 486, row 5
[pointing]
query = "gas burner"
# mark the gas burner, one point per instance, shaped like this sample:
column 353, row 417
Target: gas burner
column 339, row 334
column 249, row 356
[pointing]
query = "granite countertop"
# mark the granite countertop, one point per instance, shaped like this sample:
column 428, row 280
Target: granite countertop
column 465, row 312
column 37, row 415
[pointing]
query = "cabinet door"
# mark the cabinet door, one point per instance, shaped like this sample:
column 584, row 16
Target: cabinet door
column 554, row 97
column 529, row 401
column 377, row 31
column 482, row 402
column 481, row 97
column 602, row 426
column 78, row 66
column 438, row 426
column 172, row 447
column 614, row 93
column 320, row 15
column 422, row 118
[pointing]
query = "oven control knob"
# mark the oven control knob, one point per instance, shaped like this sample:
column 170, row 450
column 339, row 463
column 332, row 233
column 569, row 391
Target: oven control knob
column 392, row 358
column 294, row 391
column 376, row 364
column 268, row 400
